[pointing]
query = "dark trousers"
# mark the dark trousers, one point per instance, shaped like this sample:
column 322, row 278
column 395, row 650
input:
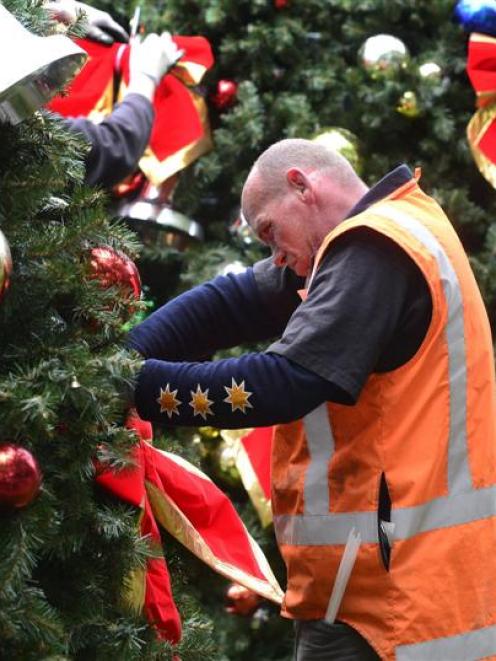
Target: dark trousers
column 317, row 640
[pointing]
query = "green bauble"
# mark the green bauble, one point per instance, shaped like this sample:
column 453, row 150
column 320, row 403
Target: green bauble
column 342, row 141
column 408, row 105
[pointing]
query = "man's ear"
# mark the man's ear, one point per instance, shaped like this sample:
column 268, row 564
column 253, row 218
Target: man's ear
column 298, row 181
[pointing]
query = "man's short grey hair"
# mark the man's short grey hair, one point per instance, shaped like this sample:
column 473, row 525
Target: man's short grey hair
column 273, row 163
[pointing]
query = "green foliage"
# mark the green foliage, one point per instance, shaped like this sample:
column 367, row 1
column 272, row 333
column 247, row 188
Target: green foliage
column 63, row 377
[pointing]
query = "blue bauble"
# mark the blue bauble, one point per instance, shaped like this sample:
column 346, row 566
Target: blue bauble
column 477, row 15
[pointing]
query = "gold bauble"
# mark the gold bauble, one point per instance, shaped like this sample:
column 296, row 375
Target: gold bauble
column 382, row 55
column 224, row 460
column 343, row 142
column 408, row 105
column 5, row 265
column 209, row 433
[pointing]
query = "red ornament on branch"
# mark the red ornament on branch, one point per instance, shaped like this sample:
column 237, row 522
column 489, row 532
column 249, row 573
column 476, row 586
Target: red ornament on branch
column 20, row 476
column 114, row 268
column 226, row 94
column 241, row 600
column 280, row 4
column 5, row 265
column 129, row 185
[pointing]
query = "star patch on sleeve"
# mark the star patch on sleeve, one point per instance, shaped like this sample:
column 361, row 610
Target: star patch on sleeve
column 168, row 401
column 237, row 396
column 200, row 403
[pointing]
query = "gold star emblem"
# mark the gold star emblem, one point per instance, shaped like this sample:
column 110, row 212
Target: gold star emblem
column 168, row 401
column 237, row 396
column 200, row 403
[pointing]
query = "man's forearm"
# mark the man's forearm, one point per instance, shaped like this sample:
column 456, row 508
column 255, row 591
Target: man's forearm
column 219, row 314
column 254, row 390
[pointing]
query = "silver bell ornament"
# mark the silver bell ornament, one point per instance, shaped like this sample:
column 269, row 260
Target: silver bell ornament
column 151, row 213
column 34, row 68
column 383, row 55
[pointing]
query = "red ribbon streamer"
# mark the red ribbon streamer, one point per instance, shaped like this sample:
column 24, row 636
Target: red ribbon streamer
column 194, row 510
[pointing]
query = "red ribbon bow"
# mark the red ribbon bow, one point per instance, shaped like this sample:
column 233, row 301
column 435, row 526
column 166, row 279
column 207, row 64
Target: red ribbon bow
column 180, row 132
column 481, row 130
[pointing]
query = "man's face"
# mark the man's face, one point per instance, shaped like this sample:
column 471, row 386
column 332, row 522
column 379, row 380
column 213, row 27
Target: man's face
column 281, row 223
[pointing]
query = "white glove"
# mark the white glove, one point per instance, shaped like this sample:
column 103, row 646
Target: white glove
column 153, row 56
column 101, row 25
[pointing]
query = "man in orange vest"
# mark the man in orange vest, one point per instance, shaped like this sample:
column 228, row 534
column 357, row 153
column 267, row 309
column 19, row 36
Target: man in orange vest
column 384, row 471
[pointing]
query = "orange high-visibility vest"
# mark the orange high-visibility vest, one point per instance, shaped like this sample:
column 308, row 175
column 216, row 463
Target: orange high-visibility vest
column 428, row 429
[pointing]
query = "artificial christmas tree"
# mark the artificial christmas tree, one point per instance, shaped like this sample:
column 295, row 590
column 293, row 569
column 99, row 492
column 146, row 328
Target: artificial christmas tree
column 68, row 548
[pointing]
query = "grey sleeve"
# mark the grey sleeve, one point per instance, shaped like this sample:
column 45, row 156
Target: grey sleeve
column 355, row 310
column 118, row 142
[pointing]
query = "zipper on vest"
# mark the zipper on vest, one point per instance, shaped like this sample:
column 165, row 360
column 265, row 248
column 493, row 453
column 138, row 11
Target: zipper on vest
column 384, row 524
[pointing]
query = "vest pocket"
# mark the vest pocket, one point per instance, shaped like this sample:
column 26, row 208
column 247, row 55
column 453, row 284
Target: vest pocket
column 384, row 525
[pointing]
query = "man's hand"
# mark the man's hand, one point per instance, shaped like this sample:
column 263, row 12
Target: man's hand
column 101, row 25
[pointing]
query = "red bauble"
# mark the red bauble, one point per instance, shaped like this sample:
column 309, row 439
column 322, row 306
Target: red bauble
column 280, row 4
column 241, row 600
column 113, row 267
column 20, row 476
column 129, row 185
column 5, row 265
column 225, row 96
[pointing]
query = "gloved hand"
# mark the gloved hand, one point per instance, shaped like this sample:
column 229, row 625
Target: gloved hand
column 153, row 56
column 101, row 25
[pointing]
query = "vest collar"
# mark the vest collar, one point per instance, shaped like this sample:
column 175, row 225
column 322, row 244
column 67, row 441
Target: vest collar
column 383, row 188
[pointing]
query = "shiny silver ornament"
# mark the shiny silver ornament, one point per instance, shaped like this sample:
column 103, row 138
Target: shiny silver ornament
column 242, row 231
column 430, row 71
column 33, row 68
column 383, row 55
column 5, row 265
column 235, row 267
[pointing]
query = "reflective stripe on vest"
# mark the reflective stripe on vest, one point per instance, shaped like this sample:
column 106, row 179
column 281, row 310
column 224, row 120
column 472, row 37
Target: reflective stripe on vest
column 470, row 646
column 463, row 504
column 458, row 471
column 320, row 443
column 325, row 529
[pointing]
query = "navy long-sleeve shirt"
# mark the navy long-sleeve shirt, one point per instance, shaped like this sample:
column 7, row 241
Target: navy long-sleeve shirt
column 368, row 311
